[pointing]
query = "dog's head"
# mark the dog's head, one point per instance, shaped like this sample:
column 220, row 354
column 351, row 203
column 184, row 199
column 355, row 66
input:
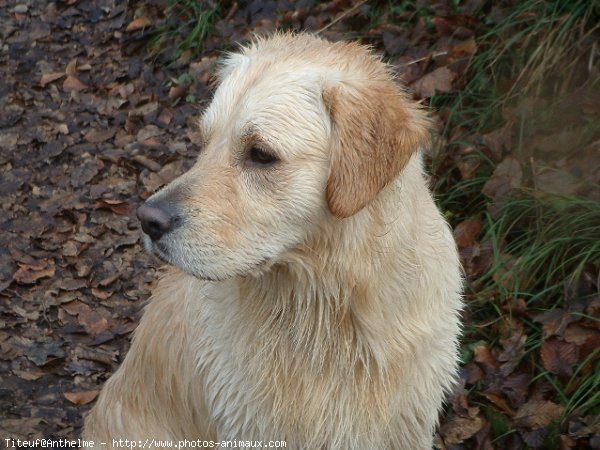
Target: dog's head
column 300, row 131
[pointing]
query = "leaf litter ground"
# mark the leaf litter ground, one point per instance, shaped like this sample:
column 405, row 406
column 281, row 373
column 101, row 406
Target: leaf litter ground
column 90, row 127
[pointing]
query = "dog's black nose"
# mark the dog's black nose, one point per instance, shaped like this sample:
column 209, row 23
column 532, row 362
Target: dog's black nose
column 156, row 219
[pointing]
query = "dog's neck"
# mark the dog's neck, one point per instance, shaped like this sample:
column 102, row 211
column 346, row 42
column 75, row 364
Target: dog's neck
column 336, row 287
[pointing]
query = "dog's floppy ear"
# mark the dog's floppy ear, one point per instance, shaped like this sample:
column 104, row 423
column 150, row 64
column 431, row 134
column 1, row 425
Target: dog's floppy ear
column 375, row 131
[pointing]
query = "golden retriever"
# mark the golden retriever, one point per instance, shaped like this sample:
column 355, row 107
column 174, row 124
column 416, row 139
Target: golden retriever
column 314, row 293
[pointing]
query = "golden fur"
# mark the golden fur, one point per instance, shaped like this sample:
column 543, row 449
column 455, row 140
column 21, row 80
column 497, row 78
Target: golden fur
column 314, row 301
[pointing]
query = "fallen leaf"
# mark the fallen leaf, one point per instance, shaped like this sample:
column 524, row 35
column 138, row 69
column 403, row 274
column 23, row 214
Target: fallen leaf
column 440, row 80
column 468, row 168
column 73, row 84
column 71, row 69
column 515, row 388
column 465, row 47
column 98, row 136
column 91, row 320
column 507, row 176
column 116, row 206
column 84, row 173
column 70, row 249
column 553, row 181
column 48, row 78
column 512, row 352
column 148, row 132
column 139, row 23
column 554, row 321
column 166, row 116
column 29, row 375
column 500, row 402
column 498, row 141
column 537, row 414
column 40, row 351
column 483, row 355
column 102, row 295
column 150, row 164
column 558, row 357
column 71, row 284
column 466, row 232
column 459, row 429
column 82, row 397
column 178, row 91
column 578, row 335
column 30, row 273
column 535, row 438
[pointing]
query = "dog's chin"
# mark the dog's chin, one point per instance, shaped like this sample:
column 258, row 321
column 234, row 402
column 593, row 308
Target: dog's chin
column 254, row 270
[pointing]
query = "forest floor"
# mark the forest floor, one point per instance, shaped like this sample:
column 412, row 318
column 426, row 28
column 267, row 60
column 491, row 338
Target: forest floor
column 98, row 102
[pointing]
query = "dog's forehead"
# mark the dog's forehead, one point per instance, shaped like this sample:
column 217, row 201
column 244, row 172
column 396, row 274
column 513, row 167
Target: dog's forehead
column 257, row 79
column 269, row 94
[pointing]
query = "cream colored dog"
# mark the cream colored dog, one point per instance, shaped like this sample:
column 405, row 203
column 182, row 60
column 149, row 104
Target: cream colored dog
column 315, row 293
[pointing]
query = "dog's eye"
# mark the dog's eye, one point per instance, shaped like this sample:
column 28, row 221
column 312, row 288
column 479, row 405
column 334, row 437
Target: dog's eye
column 260, row 157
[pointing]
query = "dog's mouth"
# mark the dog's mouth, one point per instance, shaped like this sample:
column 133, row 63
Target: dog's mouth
column 157, row 249
column 161, row 251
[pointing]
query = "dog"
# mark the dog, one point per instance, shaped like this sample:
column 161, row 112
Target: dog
column 314, row 290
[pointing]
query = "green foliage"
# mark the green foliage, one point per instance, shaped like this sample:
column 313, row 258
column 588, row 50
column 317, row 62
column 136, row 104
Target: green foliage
column 542, row 245
column 550, row 240
column 188, row 23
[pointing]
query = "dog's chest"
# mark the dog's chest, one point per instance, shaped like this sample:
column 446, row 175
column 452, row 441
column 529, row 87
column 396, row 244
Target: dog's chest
column 257, row 388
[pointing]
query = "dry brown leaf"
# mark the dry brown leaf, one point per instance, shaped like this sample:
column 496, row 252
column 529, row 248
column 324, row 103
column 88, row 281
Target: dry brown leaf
column 48, row 78
column 30, row 273
column 465, row 233
column 62, row 128
column 73, row 84
column 116, row 206
column 147, row 162
column 507, row 176
column 29, row 375
column 537, row 414
column 102, row 295
column 553, row 181
column 554, row 321
column 558, row 357
column 468, row 168
column 178, row 91
column 149, row 131
column 515, row 387
column 98, row 136
column 500, row 402
column 139, row 23
column 70, row 249
column 166, row 116
column 71, row 284
column 71, row 69
column 440, row 80
column 469, row 46
column 498, row 141
column 578, row 335
column 483, row 355
column 513, row 350
column 91, row 320
column 82, row 397
column 459, row 429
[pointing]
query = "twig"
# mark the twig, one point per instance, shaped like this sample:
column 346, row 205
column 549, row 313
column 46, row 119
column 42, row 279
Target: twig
column 232, row 11
column 435, row 55
column 342, row 15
